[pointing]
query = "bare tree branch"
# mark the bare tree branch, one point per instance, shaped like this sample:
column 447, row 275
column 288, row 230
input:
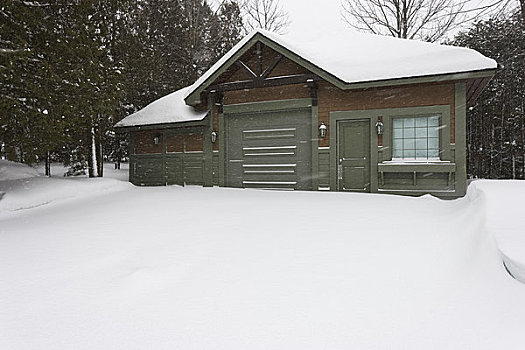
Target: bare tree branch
column 264, row 14
column 429, row 20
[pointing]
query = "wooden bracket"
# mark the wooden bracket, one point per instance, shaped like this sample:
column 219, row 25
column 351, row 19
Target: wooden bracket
column 313, row 91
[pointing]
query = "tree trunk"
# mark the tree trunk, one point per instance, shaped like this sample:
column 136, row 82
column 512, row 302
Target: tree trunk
column 100, row 164
column 93, row 171
column 48, row 164
column 522, row 3
column 523, row 137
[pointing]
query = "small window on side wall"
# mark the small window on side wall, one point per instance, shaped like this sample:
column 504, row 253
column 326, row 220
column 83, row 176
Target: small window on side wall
column 416, row 138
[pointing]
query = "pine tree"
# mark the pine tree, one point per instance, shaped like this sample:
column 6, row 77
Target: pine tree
column 30, row 126
column 71, row 69
column 496, row 123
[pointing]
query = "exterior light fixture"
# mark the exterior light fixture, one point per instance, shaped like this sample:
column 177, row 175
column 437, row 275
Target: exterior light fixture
column 213, row 136
column 322, row 130
column 380, row 127
column 156, row 139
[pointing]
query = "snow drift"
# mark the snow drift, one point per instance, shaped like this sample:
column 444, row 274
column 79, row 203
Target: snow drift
column 12, row 171
column 217, row 268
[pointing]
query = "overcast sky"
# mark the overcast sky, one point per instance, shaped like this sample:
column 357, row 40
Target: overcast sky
column 307, row 15
column 325, row 15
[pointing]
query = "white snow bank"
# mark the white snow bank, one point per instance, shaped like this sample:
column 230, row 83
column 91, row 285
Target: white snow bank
column 19, row 194
column 12, row 170
column 168, row 109
column 357, row 57
column 216, row 268
column 505, row 220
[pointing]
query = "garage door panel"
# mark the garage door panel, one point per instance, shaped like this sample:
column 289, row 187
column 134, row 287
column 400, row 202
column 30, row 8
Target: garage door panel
column 269, row 150
column 263, row 134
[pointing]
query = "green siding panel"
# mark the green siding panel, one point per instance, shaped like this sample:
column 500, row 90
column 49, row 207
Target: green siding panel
column 174, row 169
column 147, row 170
column 170, row 169
column 193, row 168
column 215, row 168
column 324, row 168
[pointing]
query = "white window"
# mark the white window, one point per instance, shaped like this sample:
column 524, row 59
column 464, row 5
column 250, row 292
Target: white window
column 416, row 138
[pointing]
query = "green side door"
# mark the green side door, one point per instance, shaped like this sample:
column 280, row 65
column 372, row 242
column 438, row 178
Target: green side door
column 353, row 156
column 269, row 150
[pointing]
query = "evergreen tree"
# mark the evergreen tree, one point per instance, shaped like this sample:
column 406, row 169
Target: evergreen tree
column 30, row 126
column 496, row 123
column 71, row 69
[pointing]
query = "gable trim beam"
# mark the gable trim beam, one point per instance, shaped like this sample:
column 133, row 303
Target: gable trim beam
column 246, row 68
column 271, row 67
column 251, row 84
column 259, row 59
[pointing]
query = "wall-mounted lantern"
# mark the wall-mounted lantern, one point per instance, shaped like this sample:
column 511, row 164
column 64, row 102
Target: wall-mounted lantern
column 156, row 139
column 213, row 136
column 380, row 127
column 322, row 130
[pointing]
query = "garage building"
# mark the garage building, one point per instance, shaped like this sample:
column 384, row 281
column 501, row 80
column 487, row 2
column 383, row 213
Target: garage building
column 364, row 113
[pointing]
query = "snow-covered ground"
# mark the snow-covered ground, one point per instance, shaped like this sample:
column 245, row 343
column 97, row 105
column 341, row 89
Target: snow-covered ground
column 23, row 188
column 113, row 266
column 505, row 206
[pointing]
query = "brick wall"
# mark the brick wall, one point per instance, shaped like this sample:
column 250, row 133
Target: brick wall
column 144, row 142
column 333, row 99
column 189, row 142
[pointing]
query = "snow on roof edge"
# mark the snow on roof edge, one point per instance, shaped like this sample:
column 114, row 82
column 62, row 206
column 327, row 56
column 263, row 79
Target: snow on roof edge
column 167, row 109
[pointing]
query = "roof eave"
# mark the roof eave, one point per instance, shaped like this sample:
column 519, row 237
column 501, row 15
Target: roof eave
column 481, row 73
column 157, row 126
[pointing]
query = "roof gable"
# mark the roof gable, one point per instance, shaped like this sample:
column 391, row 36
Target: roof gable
column 355, row 60
column 193, row 95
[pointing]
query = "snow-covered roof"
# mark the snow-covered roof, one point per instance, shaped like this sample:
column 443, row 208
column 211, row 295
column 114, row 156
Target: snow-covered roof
column 354, row 57
column 168, row 109
column 348, row 56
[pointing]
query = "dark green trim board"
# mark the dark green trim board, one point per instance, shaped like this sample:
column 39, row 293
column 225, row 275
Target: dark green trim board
column 417, row 167
column 194, row 97
column 315, row 148
column 207, row 145
column 267, row 106
column 164, row 149
column 222, row 150
column 131, row 170
column 163, row 126
column 460, row 134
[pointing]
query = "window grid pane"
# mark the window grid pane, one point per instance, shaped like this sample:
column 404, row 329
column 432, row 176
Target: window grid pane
column 416, row 138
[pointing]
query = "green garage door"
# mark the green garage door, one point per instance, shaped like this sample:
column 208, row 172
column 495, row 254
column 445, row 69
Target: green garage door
column 269, row 150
